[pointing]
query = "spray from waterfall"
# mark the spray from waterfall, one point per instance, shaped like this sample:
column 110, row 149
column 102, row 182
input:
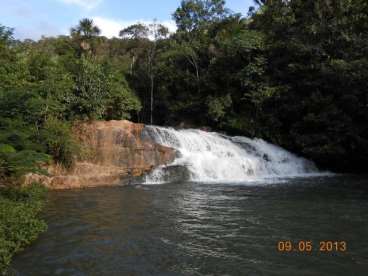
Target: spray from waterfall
column 213, row 157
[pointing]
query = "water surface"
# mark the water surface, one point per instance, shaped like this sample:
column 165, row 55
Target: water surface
column 203, row 229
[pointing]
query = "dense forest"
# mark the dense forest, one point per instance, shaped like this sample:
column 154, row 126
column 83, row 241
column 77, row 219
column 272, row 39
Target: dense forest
column 292, row 72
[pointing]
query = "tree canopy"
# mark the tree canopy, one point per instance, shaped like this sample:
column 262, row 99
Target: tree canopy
column 292, row 72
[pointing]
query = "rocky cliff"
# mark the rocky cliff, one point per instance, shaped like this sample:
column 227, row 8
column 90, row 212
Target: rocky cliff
column 115, row 152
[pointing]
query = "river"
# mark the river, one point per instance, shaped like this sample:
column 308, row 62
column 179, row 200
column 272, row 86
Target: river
column 204, row 229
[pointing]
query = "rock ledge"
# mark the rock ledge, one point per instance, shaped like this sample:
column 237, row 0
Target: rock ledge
column 116, row 152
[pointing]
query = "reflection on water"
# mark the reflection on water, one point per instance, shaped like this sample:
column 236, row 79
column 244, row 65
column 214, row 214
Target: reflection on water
column 199, row 229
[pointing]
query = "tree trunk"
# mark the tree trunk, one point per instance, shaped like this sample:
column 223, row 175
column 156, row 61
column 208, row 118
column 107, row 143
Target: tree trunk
column 132, row 64
column 193, row 62
column 152, row 87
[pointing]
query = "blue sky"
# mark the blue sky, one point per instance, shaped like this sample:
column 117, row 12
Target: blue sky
column 33, row 18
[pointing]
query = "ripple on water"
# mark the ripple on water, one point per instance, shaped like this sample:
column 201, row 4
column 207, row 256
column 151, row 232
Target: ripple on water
column 200, row 229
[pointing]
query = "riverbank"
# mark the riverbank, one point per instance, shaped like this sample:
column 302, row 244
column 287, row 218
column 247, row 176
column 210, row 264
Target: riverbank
column 19, row 221
column 112, row 153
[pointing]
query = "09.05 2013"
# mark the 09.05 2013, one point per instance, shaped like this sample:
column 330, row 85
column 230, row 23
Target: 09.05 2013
column 308, row 246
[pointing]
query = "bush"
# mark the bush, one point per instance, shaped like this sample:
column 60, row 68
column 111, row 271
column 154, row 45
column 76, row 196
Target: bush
column 14, row 164
column 19, row 222
column 59, row 142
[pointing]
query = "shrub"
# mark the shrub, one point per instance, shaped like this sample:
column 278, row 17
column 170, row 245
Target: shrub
column 19, row 222
column 59, row 142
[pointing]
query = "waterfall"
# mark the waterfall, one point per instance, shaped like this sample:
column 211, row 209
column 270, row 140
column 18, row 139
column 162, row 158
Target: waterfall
column 213, row 157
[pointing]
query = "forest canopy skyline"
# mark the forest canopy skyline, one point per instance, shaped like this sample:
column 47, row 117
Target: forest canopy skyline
column 34, row 19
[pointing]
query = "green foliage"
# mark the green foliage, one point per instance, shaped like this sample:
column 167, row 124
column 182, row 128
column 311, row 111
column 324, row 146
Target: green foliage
column 217, row 106
column 57, row 138
column 101, row 92
column 217, row 71
column 18, row 163
column 194, row 14
column 293, row 72
column 21, row 104
column 317, row 51
column 51, row 82
column 19, row 151
column 135, row 31
column 6, row 149
column 44, row 86
column 85, row 29
column 90, row 89
column 85, row 37
column 121, row 101
column 6, row 35
column 19, row 222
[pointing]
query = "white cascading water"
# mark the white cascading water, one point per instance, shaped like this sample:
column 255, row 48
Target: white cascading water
column 213, row 157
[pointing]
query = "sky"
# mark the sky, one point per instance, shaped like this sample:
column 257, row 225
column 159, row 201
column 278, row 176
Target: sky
column 34, row 18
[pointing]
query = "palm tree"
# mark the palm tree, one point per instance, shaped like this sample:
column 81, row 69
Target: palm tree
column 85, row 34
column 259, row 2
column 85, row 29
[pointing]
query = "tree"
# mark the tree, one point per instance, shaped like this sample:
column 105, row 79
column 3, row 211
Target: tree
column 158, row 32
column 189, row 51
column 90, row 91
column 317, row 53
column 85, row 33
column 137, row 34
column 6, row 35
column 136, row 31
column 85, row 29
column 146, row 39
column 194, row 14
column 12, row 72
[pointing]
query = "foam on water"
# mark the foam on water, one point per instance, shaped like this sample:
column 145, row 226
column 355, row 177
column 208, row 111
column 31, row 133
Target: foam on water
column 213, row 157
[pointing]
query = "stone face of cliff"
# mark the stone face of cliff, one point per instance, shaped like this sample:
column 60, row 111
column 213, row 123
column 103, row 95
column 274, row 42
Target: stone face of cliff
column 116, row 151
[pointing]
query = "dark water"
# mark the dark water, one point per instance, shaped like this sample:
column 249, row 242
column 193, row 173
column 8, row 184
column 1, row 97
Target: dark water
column 199, row 229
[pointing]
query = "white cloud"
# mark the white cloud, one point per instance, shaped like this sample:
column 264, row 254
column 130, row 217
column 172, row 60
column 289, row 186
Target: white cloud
column 36, row 31
column 111, row 27
column 86, row 4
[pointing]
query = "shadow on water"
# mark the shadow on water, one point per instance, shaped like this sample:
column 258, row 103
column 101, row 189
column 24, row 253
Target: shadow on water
column 203, row 229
